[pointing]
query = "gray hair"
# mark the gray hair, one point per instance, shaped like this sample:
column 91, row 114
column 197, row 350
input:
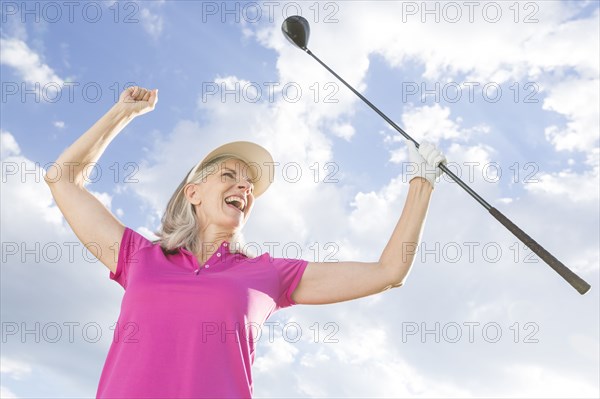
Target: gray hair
column 179, row 226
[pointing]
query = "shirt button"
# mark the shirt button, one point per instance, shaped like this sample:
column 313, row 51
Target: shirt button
column 197, row 271
column 225, row 244
column 218, row 254
column 207, row 266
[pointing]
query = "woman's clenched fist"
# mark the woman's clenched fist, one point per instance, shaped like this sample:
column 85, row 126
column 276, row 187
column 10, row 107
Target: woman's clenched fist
column 137, row 100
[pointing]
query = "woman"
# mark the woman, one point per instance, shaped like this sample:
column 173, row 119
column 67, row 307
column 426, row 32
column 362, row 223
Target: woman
column 193, row 305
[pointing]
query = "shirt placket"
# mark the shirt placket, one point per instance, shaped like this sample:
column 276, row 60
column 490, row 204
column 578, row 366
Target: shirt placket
column 213, row 260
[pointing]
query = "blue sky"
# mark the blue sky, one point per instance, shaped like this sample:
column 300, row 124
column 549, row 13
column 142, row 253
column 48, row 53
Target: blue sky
column 544, row 142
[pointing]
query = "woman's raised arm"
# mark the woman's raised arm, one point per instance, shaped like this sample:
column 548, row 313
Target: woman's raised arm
column 95, row 226
column 332, row 282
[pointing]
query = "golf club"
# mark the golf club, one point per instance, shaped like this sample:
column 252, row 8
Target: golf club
column 297, row 30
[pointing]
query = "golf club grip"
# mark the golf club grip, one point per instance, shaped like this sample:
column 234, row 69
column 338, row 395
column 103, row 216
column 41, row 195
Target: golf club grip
column 576, row 282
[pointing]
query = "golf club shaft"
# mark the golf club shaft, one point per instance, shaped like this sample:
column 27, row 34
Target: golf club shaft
column 573, row 279
column 402, row 132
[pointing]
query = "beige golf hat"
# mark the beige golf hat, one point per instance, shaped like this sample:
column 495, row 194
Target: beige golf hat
column 259, row 160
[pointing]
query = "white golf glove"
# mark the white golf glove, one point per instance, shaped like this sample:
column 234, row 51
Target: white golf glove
column 424, row 161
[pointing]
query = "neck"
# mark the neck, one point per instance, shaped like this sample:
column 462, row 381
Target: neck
column 209, row 241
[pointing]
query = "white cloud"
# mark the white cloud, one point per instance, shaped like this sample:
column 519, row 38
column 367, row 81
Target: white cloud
column 534, row 380
column 578, row 100
column 430, row 123
column 7, row 393
column 28, row 64
column 21, row 189
column 280, row 352
column 9, row 146
column 478, row 155
column 577, row 187
column 363, row 351
column 14, row 369
column 59, row 124
column 314, row 359
column 499, row 51
column 398, row 155
column 12, row 24
column 152, row 23
column 433, row 123
column 585, row 345
column 563, row 41
column 344, row 130
column 365, row 344
column 374, row 215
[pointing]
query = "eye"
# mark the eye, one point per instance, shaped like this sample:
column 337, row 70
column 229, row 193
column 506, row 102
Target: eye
column 228, row 174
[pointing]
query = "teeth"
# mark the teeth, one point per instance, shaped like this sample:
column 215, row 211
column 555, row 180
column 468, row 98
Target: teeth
column 235, row 198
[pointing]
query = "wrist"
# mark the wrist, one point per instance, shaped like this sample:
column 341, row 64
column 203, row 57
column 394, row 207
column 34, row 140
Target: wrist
column 121, row 113
column 421, row 183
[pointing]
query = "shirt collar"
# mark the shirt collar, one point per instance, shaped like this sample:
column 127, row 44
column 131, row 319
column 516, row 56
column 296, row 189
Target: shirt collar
column 223, row 250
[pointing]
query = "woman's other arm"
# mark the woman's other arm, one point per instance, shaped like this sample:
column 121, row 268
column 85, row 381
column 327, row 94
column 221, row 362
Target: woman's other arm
column 332, row 282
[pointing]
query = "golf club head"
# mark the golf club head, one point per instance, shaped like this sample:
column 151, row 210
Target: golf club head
column 296, row 30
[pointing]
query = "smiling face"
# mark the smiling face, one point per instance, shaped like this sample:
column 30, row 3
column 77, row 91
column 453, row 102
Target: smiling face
column 224, row 199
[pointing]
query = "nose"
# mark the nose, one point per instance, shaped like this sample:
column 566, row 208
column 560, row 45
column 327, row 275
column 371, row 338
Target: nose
column 246, row 185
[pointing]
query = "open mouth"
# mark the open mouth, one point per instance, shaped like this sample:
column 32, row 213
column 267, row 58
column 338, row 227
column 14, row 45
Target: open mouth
column 237, row 202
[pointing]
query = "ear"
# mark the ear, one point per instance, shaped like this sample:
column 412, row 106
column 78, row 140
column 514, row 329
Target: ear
column 192, row 193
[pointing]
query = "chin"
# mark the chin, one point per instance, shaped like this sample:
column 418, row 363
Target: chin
column 236, row 224
column 236, row 220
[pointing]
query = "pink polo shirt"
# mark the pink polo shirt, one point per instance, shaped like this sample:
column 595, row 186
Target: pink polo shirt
column 188, row 330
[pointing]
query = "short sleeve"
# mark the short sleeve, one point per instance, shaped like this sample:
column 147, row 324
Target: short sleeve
column 131, row 243
column 290, row 273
